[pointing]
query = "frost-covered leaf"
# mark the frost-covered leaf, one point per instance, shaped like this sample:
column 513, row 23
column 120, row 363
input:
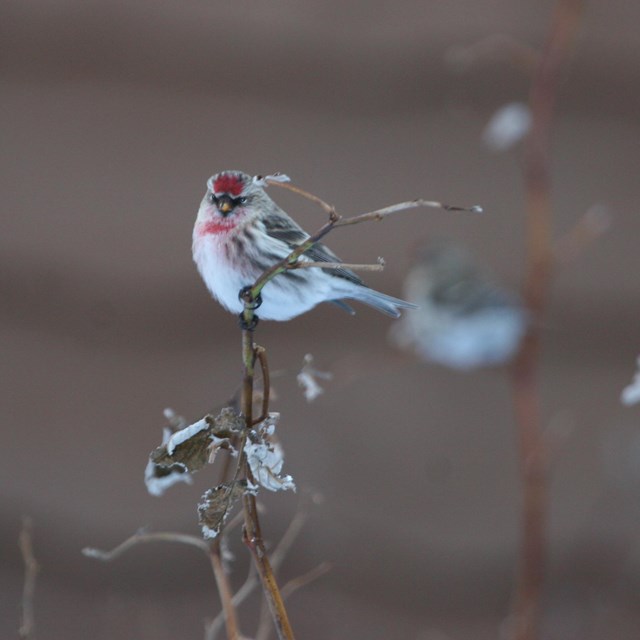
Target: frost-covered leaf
column 216, row 505
column 262, row 181
column 507, row 126
column 266, row 457
column 188, row 449
column 308, row 379
column 631, row 393
column 159, row 477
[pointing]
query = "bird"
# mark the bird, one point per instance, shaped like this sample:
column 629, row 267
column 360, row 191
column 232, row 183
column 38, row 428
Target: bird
column 240, row 232
column 465, row 320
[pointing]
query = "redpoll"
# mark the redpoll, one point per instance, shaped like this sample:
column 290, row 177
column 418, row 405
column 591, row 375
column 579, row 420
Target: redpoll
column 240, row 233
column 464, row 320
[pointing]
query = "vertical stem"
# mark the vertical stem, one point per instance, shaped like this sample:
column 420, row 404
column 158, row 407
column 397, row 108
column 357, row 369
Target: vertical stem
column 222, row 580
column 252, row 532
column 533, row 459
column 224, row 589
column 31, row 568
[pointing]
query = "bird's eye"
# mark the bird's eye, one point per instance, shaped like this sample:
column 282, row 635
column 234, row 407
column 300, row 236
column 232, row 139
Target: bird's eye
column 212, row 198
column 242, row 200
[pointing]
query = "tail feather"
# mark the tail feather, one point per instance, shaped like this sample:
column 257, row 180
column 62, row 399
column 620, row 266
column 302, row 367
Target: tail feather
column 382, row 302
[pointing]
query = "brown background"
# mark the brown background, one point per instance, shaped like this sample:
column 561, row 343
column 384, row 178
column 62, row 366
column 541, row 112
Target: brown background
column 115, row 114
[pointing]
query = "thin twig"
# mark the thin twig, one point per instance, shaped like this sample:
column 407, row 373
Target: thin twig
column 277, row 558
column 143, row 538
column 336, row 265
column 212, row 552
column 305, row 194
column 213, row 627
column 334, row 221
column 533, row 456
column 591, row 226
column 261, row 355
column 306, row 578
column 228, row 612
column 31, row 568
column 379, row 214
column 288, row 590
column 226, row 595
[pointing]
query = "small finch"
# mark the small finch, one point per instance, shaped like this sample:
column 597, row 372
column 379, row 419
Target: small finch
column 240, row 233
column 465, row 320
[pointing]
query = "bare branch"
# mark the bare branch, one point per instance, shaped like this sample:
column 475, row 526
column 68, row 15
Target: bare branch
column 213, row 627
column 31, row 568
column 287, row 590
column 379, row 214
column 335, row 220
column 226, row 595
column 305, row 194
column 306, row 578
column 277, row 558
column 261, row 356
column 524, row 373
column 142, row 538
column 336, row 265
column 592, row 225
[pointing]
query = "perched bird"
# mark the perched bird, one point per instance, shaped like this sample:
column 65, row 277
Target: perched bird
column 464, row 319
column 240, row 232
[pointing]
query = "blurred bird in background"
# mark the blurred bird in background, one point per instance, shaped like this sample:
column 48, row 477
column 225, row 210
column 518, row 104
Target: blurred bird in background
column 464, row 320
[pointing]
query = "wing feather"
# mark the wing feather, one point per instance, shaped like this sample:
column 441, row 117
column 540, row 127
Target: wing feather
column 285, row 229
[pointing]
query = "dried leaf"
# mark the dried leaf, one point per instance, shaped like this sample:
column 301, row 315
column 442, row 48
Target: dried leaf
column 216, row 505
column 187, row 450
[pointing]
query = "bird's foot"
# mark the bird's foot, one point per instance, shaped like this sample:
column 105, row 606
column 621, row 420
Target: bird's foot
column 249, row 302
column 248, row 326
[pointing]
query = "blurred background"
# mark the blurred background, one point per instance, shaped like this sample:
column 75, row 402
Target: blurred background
column 115, row 114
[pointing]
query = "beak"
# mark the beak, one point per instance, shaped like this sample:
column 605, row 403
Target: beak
column 225, row 205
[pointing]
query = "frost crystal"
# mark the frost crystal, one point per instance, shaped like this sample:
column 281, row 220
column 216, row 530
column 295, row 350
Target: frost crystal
column 266, row 457
column 266, row 460
column 508, row 126
column 631, row 393
column 159, row 479
column 307, row 379
column 185, row 434
column 262, row 181
column 190, row 448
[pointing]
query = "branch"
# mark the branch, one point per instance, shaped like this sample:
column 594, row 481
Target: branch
column 591, row 226
column 338, row 265
column 379, row 214
column 213, row 553
column 143, row 538
column 532, row 452
column 224, row 589
column 277, row 558
column 288, row 589
column 251, row 294
column 31, row 568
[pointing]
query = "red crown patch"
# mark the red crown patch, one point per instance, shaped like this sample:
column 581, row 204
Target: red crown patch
column 230, row 183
